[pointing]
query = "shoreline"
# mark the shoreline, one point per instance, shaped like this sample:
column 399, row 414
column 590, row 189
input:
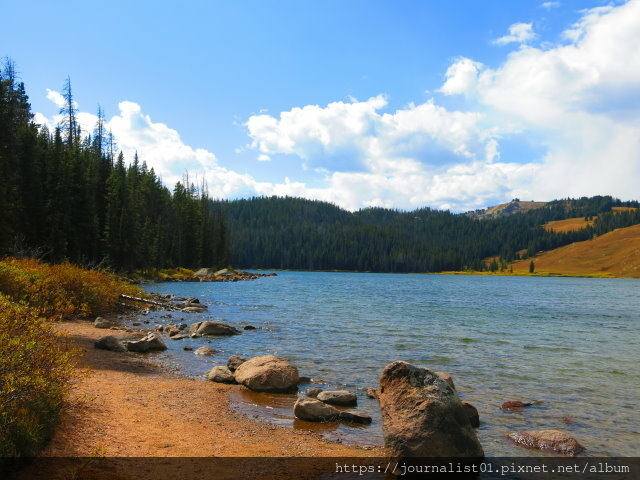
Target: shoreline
column 127, row 405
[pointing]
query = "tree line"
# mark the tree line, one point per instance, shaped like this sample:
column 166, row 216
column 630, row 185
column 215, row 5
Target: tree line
column 71, row 195
column 285, row 232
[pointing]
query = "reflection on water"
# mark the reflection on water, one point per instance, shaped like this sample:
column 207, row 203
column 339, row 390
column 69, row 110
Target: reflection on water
column 570, row 343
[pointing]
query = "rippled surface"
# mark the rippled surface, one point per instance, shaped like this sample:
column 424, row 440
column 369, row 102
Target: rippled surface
column 570, row 343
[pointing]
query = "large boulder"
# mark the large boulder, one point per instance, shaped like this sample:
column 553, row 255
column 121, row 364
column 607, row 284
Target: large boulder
column 149, row 343
column 422, row 415
column 268, row 374
column 210, row 327
column 221, row 375
column 110, row 343
column 548, row 440
column 205, row 351
column 342, row 398
column 313, row 410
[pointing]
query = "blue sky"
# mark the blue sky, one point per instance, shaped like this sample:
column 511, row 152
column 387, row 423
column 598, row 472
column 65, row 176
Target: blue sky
column 448, row 104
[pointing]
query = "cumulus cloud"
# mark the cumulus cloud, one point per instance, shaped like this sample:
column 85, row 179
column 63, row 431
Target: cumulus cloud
column 461, row 77
column 518, row 33
column 580, row 100
column 549, row 5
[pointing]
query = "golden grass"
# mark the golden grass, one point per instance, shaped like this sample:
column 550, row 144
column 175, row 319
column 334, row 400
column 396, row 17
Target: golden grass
column 614, row 254
column 567, row 225
column 623, row 209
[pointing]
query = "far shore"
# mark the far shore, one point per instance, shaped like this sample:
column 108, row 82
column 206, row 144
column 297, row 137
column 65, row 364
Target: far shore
column 127, row 405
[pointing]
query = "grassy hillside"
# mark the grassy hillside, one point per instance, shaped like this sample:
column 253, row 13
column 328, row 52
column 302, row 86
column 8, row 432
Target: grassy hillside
column 567, row 225
column 615, row 254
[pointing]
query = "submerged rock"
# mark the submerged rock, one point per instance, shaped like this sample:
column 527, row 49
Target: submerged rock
column 268, row 374
column 210, row 327
column 547, row 440
column 313, row 410
column 342, row 398
column 205, row 351
column 515, row 406
column 422, row 415
column 355, row 417
column 110, row 343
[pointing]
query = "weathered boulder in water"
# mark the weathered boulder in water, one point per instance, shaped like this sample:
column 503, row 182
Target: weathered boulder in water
column 268, row 374
column 472, row 413
column 422, row 415
column 110, row 343
column 221, row 375
column 547, row 440
column 205, row 351
column 313, row 410
column 100, row 322
column 342, row 398
column 210, row 327
column 313, row 392
column 194, row 309
column 354, row 417
column 149, row 343
column 234, row 362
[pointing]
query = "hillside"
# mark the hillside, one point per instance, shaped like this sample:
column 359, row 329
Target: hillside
column 616, row 254
column 505, row 209
column 567, row 225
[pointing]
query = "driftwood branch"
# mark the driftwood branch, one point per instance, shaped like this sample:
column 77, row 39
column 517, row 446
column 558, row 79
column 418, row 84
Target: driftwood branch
column 143, row 300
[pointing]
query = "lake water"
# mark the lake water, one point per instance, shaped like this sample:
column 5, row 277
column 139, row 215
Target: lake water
column 570, row 343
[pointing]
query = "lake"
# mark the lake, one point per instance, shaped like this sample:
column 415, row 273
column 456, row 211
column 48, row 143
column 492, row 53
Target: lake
column 570, row 343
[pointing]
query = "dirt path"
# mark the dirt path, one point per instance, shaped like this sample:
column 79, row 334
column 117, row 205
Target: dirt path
column 126, row 406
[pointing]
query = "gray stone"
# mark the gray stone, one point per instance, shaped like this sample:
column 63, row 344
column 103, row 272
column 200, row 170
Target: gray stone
column 209, row 327
column 422, row 415
column 548, row 440
column 149, row 343
column 205, row 351
column 221, row 375
column 342, row 398
column 313, row 392
column 234, row 362
column 268, row 374
column 100, row 322
column 110, row 343
column 313, row 410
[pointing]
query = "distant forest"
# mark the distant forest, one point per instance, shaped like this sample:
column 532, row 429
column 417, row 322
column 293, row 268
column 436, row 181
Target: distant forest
column 70, row 195
column 306, row 234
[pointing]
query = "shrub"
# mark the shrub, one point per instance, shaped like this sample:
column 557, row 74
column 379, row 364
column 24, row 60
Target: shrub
column 35, row 367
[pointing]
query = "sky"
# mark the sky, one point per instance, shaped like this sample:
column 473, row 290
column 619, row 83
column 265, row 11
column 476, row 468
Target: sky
column 448, row 104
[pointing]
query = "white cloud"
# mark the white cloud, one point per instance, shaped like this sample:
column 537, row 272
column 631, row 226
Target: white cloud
column 461, row 77
column 55, row 97
column 549, row 5
column 518, row 33
column 264, row 158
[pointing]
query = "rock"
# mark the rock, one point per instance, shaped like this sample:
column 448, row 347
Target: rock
column 173, row 331
column 372, row 392
column 234, row 362
column 472, row 413
column 447, row 378
column 212, row 328
column 182, row 326
column 249, row 327
column 205, row 351
column 136, row 324
column 151, row 342
column 187, row 348
column 342, row 398
column 224, row 271
column 221, row 375
column 303, row 380
column 547, row 440
column 194, row 309
column 193, row 300
column 313, row 410
column 422, row 415
column 100, row 322
column 355, row 417
column 177, row 337
column 203, row 272
column 110, row 343
column 168, row 315
column 515, row 406
column 159, row 328
column 268, row 374
column 313, row 392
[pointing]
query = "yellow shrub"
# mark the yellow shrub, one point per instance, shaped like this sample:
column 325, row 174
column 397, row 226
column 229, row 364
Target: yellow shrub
column 62, row 290
column 35, row 368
